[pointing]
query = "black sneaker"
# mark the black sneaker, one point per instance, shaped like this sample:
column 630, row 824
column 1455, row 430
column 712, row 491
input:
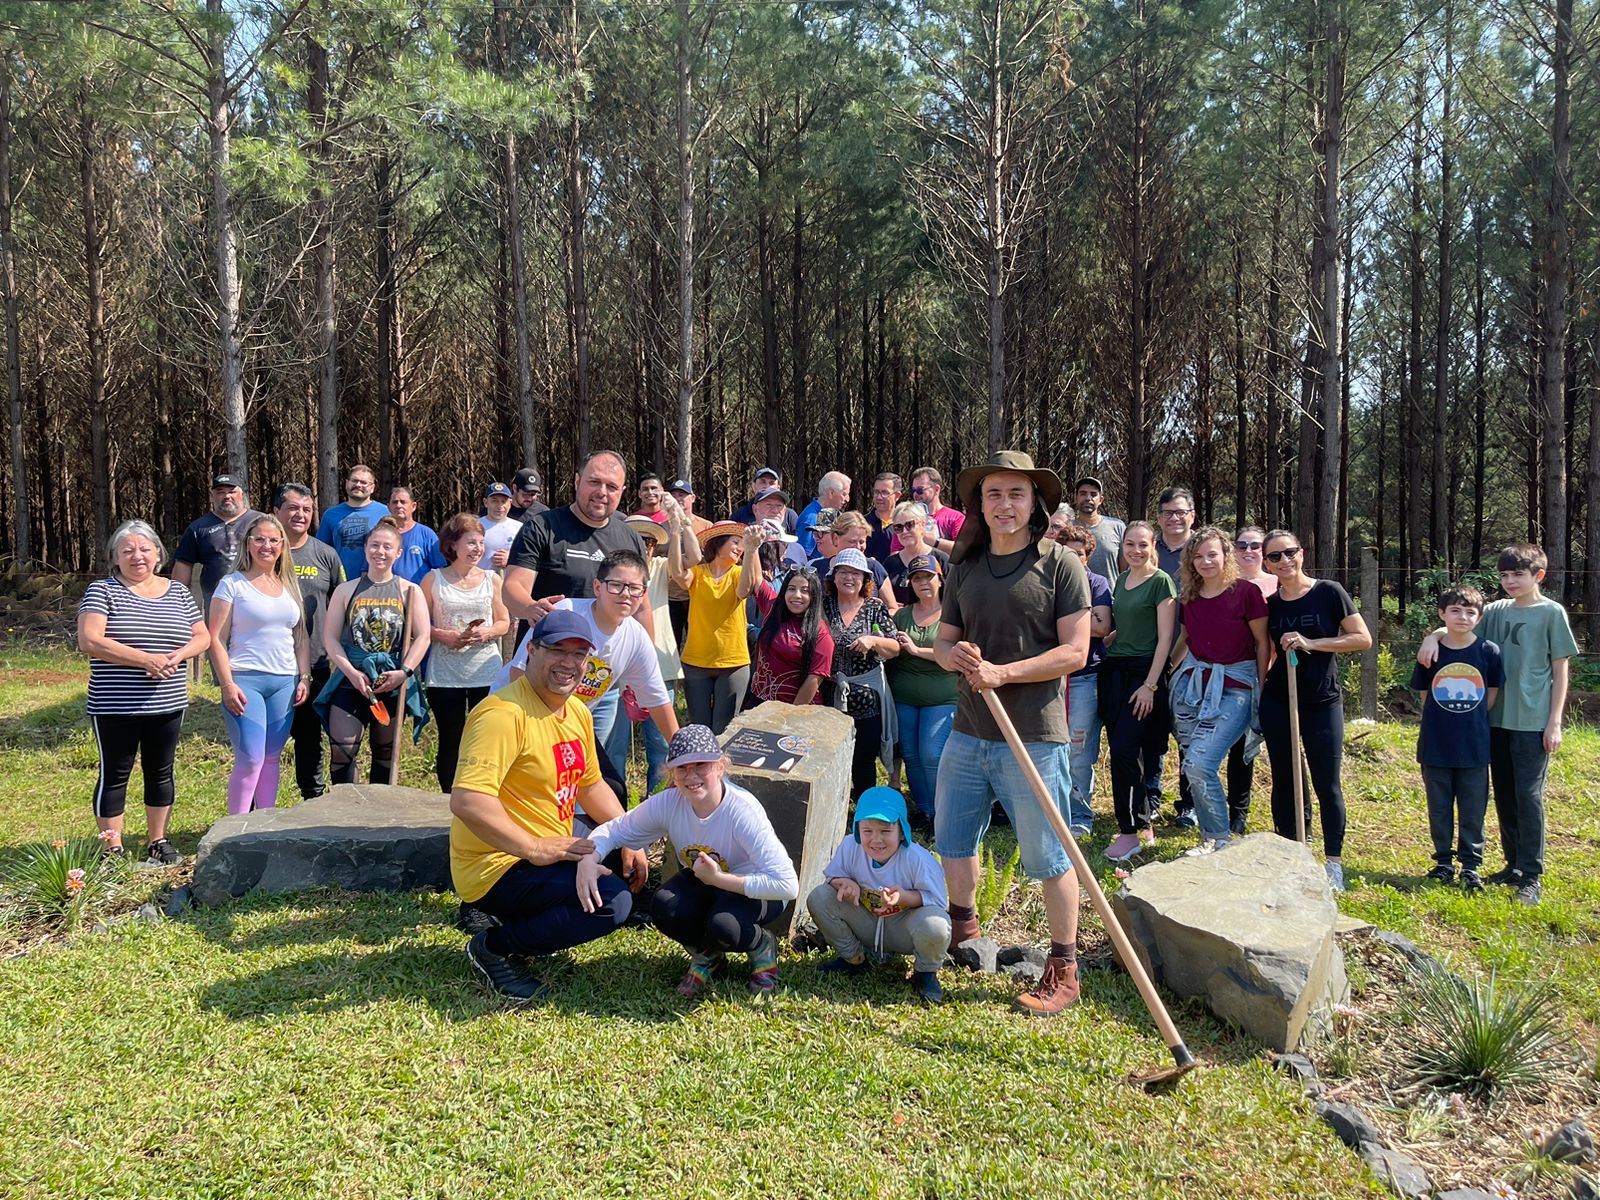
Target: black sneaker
column 472, row 920
column 504, row 975
column 1470, row 881
column 115, row 850
column 163, row 853
column 1509, row 877
column 1530, row 893
column 1443, row 873
column 926, row 985
column 843, row 966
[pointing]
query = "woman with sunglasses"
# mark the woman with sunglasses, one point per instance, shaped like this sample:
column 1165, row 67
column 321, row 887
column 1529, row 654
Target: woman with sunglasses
column 917, row 532
column 1248, row 544
column 1315, row 619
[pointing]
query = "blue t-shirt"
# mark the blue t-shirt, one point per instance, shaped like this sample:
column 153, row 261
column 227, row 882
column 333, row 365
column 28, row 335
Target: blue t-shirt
column 1455, row 706
column 345, row 529
column 808, row 539
column 419, row 553
column 1099, row 593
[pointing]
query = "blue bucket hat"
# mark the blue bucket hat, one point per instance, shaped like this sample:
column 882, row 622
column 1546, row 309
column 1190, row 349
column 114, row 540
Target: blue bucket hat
column 882, row 804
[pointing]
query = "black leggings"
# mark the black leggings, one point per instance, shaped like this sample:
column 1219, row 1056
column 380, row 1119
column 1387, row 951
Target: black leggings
column 1134, row 744
column 450, row 706
column 306, row 730
column 153, row 739
column 349, row 714
column 702, row 917
column 1322, row 736
column 1241, row 775
column 864, row 759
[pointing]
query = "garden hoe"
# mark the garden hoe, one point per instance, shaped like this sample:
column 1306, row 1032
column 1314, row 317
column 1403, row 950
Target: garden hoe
column 1296, row 752
column 1183, row 1060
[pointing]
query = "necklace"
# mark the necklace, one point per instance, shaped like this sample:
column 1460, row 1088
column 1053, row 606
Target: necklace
column 1020, row 555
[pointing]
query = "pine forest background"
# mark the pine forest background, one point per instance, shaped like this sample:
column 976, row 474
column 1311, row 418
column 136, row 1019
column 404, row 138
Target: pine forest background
column 1330, row 263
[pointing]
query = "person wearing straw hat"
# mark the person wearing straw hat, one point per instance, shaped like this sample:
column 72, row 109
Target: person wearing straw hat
column 716, row 652
column 1016, row 620
column 528, row 760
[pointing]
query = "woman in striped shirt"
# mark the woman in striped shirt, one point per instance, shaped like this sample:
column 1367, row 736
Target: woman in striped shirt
column 138, row 630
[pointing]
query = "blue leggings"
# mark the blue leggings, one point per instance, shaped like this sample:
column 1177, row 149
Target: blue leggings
column 258, row 738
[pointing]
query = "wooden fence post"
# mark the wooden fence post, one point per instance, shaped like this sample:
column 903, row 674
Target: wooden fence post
column 1371, row 613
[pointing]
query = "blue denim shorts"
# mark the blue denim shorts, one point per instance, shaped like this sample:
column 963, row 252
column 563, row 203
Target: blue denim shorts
column 973, row 774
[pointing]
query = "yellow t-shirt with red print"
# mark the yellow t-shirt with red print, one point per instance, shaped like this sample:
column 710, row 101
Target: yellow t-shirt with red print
column 535, row 760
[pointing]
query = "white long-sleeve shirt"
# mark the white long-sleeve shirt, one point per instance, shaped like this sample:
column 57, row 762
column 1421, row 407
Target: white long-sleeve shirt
column 737, row 836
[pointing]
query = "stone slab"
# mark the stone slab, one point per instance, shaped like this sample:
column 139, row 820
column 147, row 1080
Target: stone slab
column 359, row 837
column 1249, row 929
column 809, row 806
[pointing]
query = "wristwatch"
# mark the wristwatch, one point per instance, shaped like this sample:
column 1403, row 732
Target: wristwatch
column 410, row 671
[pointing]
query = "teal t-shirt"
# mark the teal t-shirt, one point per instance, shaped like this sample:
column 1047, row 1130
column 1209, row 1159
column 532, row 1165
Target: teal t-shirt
column 1133, row 615
column 1530, row 638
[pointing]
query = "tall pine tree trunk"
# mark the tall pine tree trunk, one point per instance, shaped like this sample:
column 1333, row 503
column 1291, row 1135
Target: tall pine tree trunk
column 94, row 321
column 22, row 528
column 327, row 445
column 225, row 246
column 1439, row 542
column 511, row 186
column 1553, row 330
column 685, row 246
column 1332, row 292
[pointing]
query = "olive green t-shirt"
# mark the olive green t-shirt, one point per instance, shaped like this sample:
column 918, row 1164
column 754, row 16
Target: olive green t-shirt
column 1530, row 638
column 1133, row 615
column 919, row 682
column 1008, row 605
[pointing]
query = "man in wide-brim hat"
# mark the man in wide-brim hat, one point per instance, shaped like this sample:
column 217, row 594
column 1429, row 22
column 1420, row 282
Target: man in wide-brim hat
column 1016, row 619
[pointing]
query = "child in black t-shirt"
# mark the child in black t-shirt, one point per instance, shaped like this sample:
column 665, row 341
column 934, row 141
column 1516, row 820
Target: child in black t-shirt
column 1453, row 747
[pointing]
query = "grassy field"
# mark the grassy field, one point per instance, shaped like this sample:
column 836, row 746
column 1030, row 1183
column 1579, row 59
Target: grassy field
column 327, row 1045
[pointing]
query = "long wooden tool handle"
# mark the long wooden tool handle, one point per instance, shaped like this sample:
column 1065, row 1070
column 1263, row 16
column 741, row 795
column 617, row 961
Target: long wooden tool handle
column 1086, row 880
column 400, row 707
column 1295, row 749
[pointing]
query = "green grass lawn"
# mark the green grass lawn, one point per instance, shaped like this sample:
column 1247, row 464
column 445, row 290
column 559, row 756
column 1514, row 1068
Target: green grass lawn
column 330, row 1045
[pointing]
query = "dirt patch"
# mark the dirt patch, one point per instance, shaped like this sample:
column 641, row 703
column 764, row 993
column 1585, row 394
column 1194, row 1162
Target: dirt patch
column 42, row 678
column 1583, row 707
column 1461, row 1142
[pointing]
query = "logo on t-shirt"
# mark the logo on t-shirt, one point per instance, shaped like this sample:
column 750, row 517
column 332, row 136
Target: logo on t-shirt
column 571, row 763
column 872, row 901
column 688, row 854
column 584, row 555
column 1458, row 687
column 595, row 680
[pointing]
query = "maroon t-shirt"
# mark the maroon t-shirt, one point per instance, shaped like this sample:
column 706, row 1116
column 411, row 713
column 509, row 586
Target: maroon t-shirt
column 777, row 673
column 1218, row 627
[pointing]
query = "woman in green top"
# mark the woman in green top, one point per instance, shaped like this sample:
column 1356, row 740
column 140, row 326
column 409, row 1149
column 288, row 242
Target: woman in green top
column 924, row 692
column 1132, row 706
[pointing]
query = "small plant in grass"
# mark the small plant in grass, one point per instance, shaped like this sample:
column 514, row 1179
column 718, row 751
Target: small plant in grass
column 1430, row 1118
column 1536, row 1164
column 1484, row 1036
column 994, row 884
column 62, row 883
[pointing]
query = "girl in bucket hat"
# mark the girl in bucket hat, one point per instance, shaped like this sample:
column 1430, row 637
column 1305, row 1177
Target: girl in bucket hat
column 735, row 875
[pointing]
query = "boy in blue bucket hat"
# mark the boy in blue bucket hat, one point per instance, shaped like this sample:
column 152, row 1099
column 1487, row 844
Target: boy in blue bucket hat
column 882, row 889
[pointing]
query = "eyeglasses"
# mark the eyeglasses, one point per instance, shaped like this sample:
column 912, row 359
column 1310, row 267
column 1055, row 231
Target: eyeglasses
column 575, row 656
column 266, row 541
column 617, row 588
column 1176, row 512
column 1280, row 555
column 1248, row 545
column 904, row 527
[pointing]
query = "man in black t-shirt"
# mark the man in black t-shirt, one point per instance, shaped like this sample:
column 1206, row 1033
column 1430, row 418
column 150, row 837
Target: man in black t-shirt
column 1015, row 619
column 558, row 552
column 212, row 541
column 526, row 489
column 317, row 570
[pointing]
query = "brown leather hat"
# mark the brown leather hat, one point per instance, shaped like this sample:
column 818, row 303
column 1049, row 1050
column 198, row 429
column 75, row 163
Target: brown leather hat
column 1046, row 486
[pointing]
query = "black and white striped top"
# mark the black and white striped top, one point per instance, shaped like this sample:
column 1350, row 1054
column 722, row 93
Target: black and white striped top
column 156, row 626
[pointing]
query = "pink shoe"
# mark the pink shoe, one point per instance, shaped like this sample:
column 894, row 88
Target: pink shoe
column 1124, row 847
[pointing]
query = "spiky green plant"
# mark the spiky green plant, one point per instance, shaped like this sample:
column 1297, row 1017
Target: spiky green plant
column 62, row 883
column 994, row 884
column 1483, row 1036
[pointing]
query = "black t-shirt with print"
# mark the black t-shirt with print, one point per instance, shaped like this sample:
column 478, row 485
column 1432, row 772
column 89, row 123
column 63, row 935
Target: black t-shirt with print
column 1317, row 614
column 566, row 552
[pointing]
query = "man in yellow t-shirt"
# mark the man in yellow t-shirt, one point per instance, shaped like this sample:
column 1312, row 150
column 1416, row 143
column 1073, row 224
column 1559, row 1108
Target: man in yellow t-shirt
column 527, row 762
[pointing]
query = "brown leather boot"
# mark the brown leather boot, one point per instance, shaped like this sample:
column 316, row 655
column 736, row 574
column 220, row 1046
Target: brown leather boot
column 1056, row 990
column 963, row 930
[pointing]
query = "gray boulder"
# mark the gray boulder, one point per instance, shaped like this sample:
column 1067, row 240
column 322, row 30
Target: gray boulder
column 1397, row 1170
column 978, row 954
column 1572, row 1143
column 1012, row 955
column 359, row 837
column 1024, row 969
column 1249, row 929
column 1353, row 1127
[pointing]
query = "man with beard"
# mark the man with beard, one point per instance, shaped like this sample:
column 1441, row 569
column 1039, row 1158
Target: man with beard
column 212, row 541
column 345, row 526
column 1088, row 495
column 528, row 760
column 318, row 571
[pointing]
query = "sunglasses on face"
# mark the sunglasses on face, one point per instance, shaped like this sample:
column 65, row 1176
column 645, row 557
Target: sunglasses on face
column 1252, row 546
column 904, row 527
column 1280, row 555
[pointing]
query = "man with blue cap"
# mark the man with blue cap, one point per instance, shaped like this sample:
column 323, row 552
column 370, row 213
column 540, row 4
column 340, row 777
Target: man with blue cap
column 527, row 762
column 882, row 889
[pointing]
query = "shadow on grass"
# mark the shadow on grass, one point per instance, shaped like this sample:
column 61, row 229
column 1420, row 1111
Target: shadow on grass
column 47, row 728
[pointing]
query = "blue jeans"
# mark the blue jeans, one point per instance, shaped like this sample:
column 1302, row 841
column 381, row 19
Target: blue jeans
column 610, row 723
column 1083, row 751
column 973, row 774
column 923, row 733
column 1205, row 746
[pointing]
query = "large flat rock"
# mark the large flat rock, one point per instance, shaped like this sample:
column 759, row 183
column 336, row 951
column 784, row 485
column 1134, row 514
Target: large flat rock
column 1249, row 929
column 360, row 837
column 809, row 805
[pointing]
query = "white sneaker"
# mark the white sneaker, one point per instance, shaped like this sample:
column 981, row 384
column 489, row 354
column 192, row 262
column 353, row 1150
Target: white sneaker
column 1335, row 875
column 1207, row 847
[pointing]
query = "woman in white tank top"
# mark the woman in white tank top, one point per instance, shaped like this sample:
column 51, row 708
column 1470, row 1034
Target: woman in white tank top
column 469, row 619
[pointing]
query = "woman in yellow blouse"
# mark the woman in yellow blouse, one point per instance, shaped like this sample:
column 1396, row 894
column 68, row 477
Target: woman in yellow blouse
column 716, row 651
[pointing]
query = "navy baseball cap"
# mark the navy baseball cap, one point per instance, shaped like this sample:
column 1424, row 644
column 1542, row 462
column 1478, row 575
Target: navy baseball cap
column 681, row 485
column 497, row 489
column 766, row 471
column 562, row 625
column 769, row 493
